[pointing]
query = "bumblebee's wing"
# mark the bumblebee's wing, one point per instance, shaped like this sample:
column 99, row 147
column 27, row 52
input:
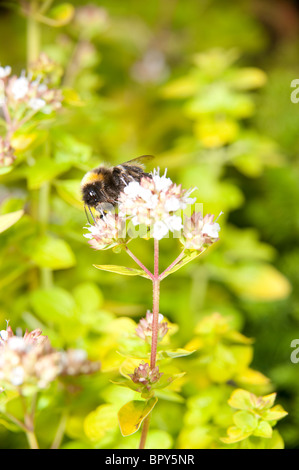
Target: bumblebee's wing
column 139, row 161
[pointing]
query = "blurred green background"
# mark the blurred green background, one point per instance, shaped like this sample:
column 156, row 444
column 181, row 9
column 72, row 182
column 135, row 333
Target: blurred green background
column 205, row 86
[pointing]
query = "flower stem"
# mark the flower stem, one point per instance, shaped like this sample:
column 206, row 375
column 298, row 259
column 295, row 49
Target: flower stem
column 33, row 34
column 150, row 275
column 32, row 440
column 156, row 298
column 176, row 261
column 29, row 421
column 145, row 428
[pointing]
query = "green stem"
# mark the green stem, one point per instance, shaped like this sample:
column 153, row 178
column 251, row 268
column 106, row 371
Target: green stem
column 33, row 34
column 32, row 441
column 60, row 432
column 29, row 421
column 43, row 220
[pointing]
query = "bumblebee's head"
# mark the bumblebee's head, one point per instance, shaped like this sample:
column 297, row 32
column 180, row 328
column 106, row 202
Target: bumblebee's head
column 92, row 195
column 91, row 187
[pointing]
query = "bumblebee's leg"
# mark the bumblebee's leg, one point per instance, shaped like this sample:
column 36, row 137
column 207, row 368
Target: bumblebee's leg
column 86, row 213
column 92, row 216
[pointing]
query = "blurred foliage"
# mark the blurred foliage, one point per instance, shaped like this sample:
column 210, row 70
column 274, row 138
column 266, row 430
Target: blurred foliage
column 205, row 86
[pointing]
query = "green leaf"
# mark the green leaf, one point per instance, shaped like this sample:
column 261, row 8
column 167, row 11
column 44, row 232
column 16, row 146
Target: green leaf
column 55, row 304
column 100, row 421
column 7, row 220
column 167, row 379
column 45, row 169
column 173, row 353
column 131, row 415
column 61, row 15
column 276, row 413
column 263, row 429
column 9, row 425
column 245, row 421
column 88, row 297
column 69, row 190
column 121, row 270
column 240, row 399
column 50, row 252
column 235, row 434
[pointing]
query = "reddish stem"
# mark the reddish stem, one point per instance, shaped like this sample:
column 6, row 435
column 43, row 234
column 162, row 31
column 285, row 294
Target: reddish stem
column 156, row 297
column 145, row 428
column 150, row 275
column 164, row 274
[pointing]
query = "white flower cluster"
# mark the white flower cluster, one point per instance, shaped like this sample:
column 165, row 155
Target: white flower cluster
column 31, row 360
column 21, row 98
column 156, row 203
column 200, row 232
column 34, row 94
column 106, row 233
column 153, row 202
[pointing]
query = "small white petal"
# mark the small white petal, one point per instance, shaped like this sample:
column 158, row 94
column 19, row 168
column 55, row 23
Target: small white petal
column 16, row 343
column 5, row 71
column 212, row 230
column 17, row 376
column 4, row 334
column 160, row 230
column 162, row 183
column 20, row 88
column 172, row 204
column 132, row 189
column 174, row 222
column 36, row 103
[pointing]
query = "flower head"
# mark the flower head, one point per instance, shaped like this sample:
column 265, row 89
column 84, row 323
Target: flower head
column 31, row 93
column 106, row 233
column 145, row 327
column 30, row 359
column 145, row 376
column 200, row 232
column 5, row 72
column 153, row 202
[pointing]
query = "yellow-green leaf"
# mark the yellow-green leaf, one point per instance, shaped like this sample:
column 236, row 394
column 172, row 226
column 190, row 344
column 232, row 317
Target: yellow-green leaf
column 245, row 420
column 100, row 421
column 121, row 270
column 240, row 399
column 7, row 220
column 61, row 14
column 131, row 415
column 235, row 434
column 69, row 190
column 263, row 429
column 275, row 413
column 179, row 352
column 50, row 252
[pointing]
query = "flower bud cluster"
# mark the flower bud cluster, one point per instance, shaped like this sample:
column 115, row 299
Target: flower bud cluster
column 145, row 376
column 21, row 98
column 145, row 327
column 200, row 232
column 31, row 360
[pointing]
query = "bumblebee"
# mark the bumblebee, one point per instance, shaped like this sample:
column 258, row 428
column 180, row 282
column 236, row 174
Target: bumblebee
column 103, row 185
